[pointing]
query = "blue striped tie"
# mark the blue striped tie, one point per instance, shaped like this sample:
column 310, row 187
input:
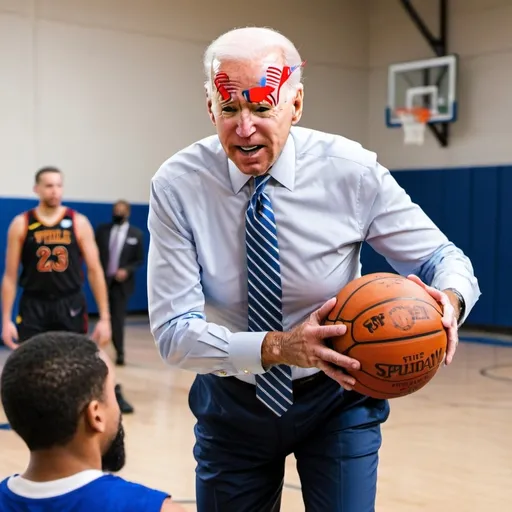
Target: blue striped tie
column 273, row 388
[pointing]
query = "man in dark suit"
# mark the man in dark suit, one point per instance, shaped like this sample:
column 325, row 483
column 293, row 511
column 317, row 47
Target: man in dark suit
column 121, row 253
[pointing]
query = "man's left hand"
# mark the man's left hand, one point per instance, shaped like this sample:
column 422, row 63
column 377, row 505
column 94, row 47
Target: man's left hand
column 102, row 333
column 451, row 310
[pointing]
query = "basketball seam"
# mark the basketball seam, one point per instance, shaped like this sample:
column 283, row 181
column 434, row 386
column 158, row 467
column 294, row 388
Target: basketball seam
column 367, row 283
column 390, row 340
column 391, row 300
column 363, row 285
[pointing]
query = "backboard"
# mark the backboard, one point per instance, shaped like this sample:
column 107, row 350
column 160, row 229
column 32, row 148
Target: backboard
column 430, row 83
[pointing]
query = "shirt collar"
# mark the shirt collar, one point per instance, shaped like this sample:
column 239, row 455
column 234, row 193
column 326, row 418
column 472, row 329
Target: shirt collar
column 121, row 227
column 282, row 171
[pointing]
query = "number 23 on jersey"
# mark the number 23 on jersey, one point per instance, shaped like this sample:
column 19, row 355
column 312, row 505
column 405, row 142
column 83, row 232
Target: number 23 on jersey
column 52, row 260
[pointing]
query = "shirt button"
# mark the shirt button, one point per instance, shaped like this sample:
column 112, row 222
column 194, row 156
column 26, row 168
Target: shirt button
column 222, row 372
column 246, row 371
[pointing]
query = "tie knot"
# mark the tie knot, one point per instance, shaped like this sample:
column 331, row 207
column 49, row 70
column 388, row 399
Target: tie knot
column 260, row 183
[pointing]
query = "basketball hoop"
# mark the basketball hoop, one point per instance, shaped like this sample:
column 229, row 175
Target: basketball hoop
column 414, row 122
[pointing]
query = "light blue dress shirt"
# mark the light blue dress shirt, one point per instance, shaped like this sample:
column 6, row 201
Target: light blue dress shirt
column 329, row 195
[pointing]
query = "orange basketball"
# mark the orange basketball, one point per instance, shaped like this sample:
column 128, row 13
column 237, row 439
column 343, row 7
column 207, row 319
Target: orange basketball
column 394, row 330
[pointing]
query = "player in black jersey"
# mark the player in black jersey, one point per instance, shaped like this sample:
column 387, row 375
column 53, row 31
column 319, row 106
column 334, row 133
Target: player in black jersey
column 51, row 242
column 51, row 276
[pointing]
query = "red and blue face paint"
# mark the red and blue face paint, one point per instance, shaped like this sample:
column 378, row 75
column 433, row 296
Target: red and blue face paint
column 270, row 85
column 267, row 91
column 224, row 85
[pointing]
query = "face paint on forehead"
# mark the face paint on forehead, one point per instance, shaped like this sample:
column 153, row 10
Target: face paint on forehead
column 268, row 90
column 225, row 86
column 270, row 85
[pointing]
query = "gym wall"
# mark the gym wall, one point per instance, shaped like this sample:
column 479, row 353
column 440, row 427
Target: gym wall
column 108, row 89
column 464, row 187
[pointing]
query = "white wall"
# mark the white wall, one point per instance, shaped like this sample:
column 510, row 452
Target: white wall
column 108, row 89
column 480, row 32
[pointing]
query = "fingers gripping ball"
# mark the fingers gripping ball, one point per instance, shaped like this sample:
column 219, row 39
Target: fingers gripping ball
column 394, row 329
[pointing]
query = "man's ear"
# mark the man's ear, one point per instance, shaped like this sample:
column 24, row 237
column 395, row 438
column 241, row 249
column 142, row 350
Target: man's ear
column 210, row 111
column 95, row 417
column 298, row 104
column 209, row 105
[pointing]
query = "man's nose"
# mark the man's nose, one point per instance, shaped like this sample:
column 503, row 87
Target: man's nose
column 245, row 126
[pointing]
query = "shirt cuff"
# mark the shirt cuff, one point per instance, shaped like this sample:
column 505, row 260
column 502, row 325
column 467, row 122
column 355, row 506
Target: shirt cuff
column 245, row 351
column 464, row 288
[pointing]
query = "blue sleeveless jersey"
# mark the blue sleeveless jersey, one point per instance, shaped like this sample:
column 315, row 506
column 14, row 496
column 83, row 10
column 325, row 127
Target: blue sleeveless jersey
column 107, row 493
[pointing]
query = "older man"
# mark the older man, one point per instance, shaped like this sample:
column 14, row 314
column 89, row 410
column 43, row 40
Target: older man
column 264, row 221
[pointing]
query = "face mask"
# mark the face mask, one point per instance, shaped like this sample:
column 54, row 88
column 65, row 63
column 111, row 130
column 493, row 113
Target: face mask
column 117, row 219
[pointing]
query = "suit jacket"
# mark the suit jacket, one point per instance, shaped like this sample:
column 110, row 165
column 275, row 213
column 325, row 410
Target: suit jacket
column 132, row 253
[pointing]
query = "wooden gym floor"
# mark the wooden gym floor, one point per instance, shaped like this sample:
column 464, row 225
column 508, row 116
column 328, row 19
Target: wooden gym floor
column 448, row 448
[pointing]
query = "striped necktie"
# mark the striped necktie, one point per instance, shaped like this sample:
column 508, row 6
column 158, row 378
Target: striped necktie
column 273, row 388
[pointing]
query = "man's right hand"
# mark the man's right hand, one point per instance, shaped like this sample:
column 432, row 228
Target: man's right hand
column 9, row 335
column 304, row 346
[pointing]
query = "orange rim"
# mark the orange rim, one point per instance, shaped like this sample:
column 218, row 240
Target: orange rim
column 420, row 113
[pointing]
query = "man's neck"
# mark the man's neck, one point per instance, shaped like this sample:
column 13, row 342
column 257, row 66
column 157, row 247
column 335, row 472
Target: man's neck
column 49, row 465
column 48, row 212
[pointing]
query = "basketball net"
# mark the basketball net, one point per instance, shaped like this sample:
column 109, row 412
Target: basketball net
column 414, row 121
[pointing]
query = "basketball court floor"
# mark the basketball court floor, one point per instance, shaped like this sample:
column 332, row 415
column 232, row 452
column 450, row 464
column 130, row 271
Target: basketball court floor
column 447, row 448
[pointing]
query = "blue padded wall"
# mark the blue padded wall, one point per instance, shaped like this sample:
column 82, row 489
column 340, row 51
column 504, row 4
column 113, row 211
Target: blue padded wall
column 96, row 213
column 471, row 205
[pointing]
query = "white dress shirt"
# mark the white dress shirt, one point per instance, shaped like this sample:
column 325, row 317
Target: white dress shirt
column 329, row 195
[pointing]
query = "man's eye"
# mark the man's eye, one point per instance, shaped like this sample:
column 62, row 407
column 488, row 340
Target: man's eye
column 228, row 109
column 262, row 109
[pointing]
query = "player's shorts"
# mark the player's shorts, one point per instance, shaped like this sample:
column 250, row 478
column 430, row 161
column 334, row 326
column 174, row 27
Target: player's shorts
column 37, row 315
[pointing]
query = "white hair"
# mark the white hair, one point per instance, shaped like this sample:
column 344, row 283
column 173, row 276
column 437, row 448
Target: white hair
column 251, row 43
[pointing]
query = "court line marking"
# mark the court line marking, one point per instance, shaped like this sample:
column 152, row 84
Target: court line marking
column 487, row 372
column 496, row 342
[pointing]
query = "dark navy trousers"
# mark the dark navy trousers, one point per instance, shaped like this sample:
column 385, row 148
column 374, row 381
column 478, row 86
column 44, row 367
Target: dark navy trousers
column 241, row 446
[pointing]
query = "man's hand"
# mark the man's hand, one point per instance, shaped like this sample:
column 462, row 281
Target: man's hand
column 9, row 334
column 304, row 346
column 121, row 275
column 451, row 310
column 102, row 333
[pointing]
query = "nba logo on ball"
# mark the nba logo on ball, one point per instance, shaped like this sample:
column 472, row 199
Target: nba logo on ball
column 394, row 329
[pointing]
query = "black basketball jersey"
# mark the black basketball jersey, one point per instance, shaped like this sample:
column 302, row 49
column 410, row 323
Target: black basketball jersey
column 51, row 257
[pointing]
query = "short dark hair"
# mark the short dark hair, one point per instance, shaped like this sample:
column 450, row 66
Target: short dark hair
column 124, row 202
column 45, row 170
column 47, row 382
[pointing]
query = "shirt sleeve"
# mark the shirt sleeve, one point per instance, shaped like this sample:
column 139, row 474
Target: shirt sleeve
column 134, row 497
column 176, row 302
column 399, row 230
column 149, row 501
